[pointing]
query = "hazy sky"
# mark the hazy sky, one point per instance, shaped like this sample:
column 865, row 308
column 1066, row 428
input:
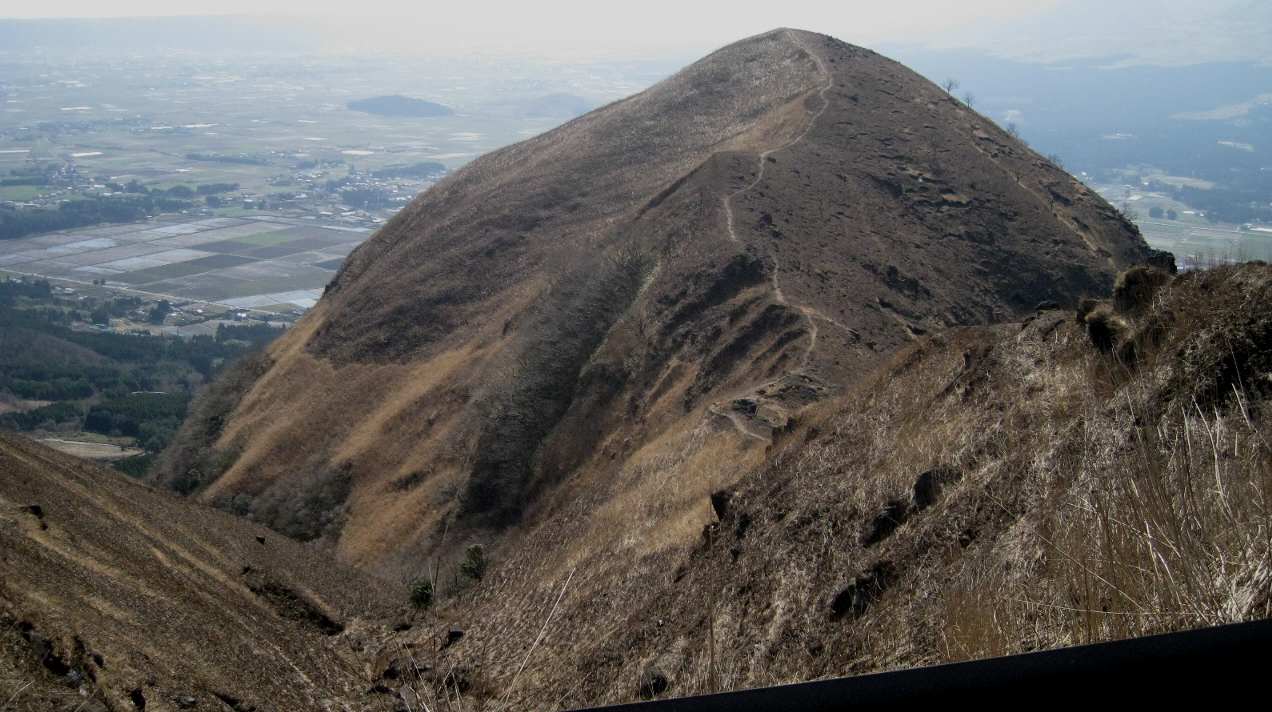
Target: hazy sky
column 1163, row 30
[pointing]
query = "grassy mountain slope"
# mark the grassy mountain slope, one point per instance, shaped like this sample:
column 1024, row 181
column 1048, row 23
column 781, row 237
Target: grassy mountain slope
column 724, row 249
column 117, row 596
column 985, row 491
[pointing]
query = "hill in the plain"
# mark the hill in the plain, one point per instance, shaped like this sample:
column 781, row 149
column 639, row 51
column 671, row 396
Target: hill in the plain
column 398, row 106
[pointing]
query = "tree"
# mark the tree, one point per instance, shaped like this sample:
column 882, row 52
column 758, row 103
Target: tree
column 474, row 564
column 1013, row 130
column 422, row 593
column 949, row 85
column 160, row 312
column 1156, row 212
column 1172, row 215
column 969, row 99
column 99, row 421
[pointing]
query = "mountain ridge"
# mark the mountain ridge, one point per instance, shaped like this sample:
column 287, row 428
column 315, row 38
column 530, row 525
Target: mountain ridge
column 733, row 244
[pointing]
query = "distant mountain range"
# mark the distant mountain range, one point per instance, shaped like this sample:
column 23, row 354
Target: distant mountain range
column 106, row 36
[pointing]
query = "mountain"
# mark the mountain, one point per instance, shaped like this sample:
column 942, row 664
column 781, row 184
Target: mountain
column 1083, row 475
column 114, row 595
column 400, row 106
column 565, row 352
column 761, row 227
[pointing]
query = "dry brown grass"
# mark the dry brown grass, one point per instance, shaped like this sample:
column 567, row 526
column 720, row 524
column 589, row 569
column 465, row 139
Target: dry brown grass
column 1087, row 496
column 1162, row 526
column 137, row 590
column 624, row 501
column 1156, row 503
column 26, row 686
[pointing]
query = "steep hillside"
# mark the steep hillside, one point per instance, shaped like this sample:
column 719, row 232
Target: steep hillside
column 985, row 491
column 622, row 312
column 115, row 596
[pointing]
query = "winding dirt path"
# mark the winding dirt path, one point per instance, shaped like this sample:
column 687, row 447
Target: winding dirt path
column 810, row 313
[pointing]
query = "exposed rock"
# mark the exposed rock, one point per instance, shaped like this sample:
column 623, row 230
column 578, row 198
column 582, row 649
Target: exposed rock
column 861, row 592
column 652, row 683
column 886, row 522
column 453, row 636
column 772, row 416
column 928, row 486
column 720, row 503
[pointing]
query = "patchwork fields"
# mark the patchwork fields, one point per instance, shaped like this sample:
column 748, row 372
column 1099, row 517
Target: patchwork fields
column 256, row 262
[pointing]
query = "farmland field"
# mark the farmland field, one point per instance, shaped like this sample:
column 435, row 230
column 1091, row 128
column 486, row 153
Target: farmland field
column 271, row 124
column 18, row 192
column 1170, row 225
column 260, row 262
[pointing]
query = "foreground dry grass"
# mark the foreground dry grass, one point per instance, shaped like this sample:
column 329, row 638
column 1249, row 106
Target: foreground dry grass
column 996, row 492
column 988, row 491
column 1155, row 500
column 117, row 596
column 1149, row 527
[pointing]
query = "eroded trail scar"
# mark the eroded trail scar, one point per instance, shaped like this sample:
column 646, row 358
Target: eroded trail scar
column 810, row 313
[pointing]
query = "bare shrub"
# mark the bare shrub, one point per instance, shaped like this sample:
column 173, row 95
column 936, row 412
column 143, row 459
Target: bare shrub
column 1158, row 513
column 1085, row 306
column 1134, row 290
column 1105, row 328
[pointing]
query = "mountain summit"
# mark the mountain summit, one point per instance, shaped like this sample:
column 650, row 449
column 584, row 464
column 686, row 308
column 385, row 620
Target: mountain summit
column 582, row 336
